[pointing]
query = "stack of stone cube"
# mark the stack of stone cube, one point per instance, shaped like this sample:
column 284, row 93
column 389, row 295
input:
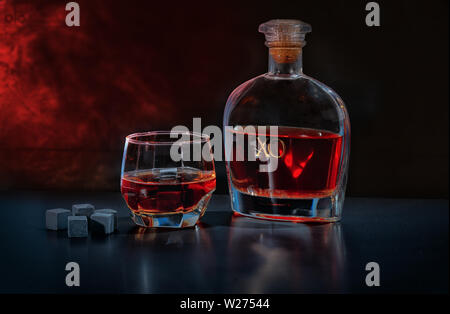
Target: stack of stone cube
column 82, row 218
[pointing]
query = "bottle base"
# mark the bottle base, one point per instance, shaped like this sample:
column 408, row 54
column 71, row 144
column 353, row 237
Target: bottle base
column 297, row 210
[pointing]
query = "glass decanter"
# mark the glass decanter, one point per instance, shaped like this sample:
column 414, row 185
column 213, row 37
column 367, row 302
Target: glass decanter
column 287, row 137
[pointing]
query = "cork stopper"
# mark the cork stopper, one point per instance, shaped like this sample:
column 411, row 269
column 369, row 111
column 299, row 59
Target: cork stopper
column 285, row 38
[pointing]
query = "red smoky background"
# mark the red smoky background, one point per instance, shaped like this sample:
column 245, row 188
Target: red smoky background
column 69, row 95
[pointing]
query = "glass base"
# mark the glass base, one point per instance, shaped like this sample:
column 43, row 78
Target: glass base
column 307, row 210
column 172, row 220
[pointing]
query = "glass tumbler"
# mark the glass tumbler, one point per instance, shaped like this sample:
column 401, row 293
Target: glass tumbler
column 167, row 178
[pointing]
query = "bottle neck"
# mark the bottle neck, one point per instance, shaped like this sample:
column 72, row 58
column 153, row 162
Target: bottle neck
column 285, row 61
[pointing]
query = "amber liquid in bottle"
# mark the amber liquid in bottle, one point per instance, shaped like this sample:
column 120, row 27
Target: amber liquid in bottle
column 308, row 165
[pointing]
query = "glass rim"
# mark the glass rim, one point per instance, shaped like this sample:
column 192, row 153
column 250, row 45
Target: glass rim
column 201, row 138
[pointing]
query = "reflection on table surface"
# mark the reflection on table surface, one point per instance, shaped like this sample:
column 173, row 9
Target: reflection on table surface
column 229, row 254
column 277, row 257
column 242, row 255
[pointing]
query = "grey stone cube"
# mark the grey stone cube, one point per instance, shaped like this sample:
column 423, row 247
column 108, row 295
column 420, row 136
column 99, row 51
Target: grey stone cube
column 56, row 219
column 77, row 226
column 102, row 223
column 109, row 211
column 83, row 210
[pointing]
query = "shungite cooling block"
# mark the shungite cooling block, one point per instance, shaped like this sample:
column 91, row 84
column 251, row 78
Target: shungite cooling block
column 102, row 223
column 109, row 211
column 56, row 219
column 77, row 226
column 82, row 210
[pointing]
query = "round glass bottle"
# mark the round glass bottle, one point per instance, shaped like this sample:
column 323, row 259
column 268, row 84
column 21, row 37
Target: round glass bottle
column 287, row 137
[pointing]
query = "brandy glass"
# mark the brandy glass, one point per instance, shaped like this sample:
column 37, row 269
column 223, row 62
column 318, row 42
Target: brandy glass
column 295, row 121
column 167, row 177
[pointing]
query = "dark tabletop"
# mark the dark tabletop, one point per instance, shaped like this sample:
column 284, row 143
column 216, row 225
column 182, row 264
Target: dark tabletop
column 408, row 238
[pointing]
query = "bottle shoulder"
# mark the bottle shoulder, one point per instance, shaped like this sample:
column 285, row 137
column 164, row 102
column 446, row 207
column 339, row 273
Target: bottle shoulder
column 280, row 86
column 289, row 100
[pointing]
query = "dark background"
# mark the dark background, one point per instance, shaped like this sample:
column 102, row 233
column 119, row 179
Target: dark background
column 69, row 96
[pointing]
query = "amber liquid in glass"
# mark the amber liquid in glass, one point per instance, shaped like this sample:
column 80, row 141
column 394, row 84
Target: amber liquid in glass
column 170, row 190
